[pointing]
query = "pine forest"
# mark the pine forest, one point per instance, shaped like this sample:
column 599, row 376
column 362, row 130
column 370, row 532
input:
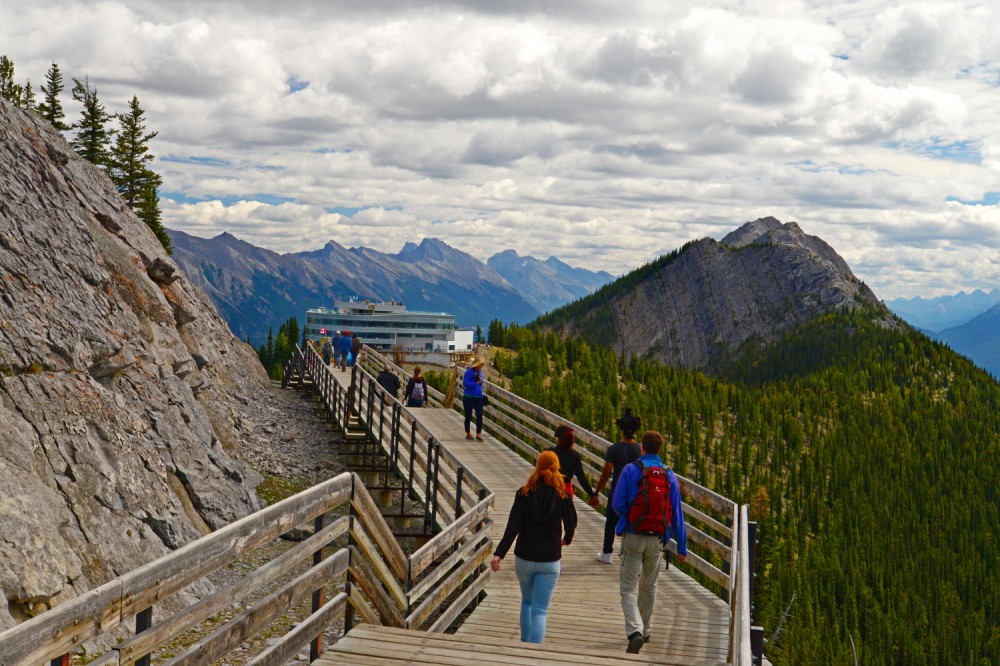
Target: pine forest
column 868, row 457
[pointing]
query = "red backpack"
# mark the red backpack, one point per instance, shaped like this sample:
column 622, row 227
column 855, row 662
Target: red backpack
column 651, row 512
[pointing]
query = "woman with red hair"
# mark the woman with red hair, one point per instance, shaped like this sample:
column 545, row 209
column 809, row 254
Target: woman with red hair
column 542, row 510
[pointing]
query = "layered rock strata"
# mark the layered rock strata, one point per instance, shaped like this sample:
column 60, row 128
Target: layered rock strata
column 123, row 395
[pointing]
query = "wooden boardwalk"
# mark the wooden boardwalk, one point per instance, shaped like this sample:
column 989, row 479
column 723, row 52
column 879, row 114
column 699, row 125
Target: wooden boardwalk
column 585, row 620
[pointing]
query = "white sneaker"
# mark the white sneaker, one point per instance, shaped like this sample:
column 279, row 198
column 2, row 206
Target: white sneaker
column 604, row 557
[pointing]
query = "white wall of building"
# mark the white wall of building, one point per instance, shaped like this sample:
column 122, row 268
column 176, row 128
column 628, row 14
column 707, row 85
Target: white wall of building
column 456, row 341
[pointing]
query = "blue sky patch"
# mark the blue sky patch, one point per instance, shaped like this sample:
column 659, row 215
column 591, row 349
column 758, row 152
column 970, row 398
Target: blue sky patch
column 205, row 161
column 296, row 84
column 348, row 211
column 270, row 199
column 989, row 199
column 966, row 152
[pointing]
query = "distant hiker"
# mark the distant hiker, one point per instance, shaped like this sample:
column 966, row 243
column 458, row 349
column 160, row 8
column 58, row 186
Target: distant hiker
column 345, row 349
column 541, row 511
column 570, row 463
column 327, row 351
column 617, row 456
column 336, row 349
column 388, row 380
column 416, row 390
column 472, row 399
column 647, row 500
column 355, row 348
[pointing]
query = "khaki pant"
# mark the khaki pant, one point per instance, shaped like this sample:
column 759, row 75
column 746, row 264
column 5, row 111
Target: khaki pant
column 640, row 557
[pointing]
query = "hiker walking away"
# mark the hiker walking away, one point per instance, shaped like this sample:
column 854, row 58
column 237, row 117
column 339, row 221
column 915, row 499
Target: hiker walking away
column 542, row 511
column 345, row 349
column 326, row 350
column 647, row 500
column 416, row 390
column 617, row 456
column 336, row 349
column 570, row 464
column 355, row 348
column 388, row 380
column 472, row 398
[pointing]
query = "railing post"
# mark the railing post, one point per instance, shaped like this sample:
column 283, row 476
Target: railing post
column 458, row 492
column 727, row 564
column 427, row 484
column 757, row 645
column 752, row 557
column 143, row 621
column 437, row 468
column 482, row 567
column 316, row 645
column 413, row 446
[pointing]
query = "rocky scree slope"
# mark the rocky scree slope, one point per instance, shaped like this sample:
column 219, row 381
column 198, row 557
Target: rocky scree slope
column 697, row 307
column 123, row 395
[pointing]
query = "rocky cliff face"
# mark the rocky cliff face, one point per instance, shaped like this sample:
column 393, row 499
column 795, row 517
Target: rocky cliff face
column 122, row 392
column 714, row 296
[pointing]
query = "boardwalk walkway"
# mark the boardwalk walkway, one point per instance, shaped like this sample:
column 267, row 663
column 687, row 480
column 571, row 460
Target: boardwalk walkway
column 585, row 621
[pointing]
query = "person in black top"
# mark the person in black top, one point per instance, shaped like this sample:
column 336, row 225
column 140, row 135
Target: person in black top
column 617, row 456
column 416, row 390
column 388, row 380
column 541, row 512
column 570, row 463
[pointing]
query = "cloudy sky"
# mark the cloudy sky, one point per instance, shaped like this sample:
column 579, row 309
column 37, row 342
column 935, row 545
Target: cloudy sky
column 601, row 132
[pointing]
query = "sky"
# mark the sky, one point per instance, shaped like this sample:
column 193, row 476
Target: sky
column 603, row 133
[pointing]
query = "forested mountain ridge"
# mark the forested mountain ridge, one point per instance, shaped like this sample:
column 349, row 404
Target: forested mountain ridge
column 694, row 307
column 868, row 456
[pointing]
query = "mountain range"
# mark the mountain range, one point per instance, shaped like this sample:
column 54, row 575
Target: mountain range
column 942, row 312
column 255, row 288
column 546, row 284
column 698, row 305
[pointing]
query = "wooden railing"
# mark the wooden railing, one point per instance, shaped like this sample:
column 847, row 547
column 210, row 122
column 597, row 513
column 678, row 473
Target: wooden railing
column 380, row 582
column 712, row 520
column 454, row 498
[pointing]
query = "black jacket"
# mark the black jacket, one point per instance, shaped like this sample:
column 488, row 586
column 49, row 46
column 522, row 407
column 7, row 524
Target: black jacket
column 537, row 521
column 571, row 465
column 389, row 381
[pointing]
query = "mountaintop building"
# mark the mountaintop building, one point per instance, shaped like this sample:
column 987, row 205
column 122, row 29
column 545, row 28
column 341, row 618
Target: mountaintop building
column 389, row 326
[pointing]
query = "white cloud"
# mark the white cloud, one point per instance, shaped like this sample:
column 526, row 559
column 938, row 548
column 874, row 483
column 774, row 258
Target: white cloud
column 596, row 132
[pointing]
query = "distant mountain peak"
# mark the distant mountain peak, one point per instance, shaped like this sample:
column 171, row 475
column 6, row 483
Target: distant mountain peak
column 751, row 232
column 698, row 306
column 409, row 246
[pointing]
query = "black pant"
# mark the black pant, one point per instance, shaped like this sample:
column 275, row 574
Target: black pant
column 470, row 403
column 610, row 521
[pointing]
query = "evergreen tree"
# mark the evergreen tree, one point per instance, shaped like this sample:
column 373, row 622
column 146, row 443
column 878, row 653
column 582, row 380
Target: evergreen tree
column 130, row 156
column 479, row 333
column 9, row 90
column 130, row 172
column 28, row 98
column 93, row 138
column 148, row 210
column 51, row 108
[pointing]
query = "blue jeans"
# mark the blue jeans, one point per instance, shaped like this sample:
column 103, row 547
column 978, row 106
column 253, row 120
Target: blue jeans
column 538, row 580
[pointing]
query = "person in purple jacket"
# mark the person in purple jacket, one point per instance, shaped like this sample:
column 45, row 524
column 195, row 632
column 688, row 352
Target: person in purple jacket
column 642, row 552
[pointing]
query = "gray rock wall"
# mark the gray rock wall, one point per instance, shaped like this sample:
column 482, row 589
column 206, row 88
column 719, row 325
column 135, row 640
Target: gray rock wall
column 759, row 280
column 123, row 394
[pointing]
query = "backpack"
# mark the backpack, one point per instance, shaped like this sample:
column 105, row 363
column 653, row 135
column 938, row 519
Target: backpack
column 651, row 512
column 418, row 391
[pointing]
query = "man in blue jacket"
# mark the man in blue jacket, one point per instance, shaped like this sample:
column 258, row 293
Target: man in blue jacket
column 642, row 552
